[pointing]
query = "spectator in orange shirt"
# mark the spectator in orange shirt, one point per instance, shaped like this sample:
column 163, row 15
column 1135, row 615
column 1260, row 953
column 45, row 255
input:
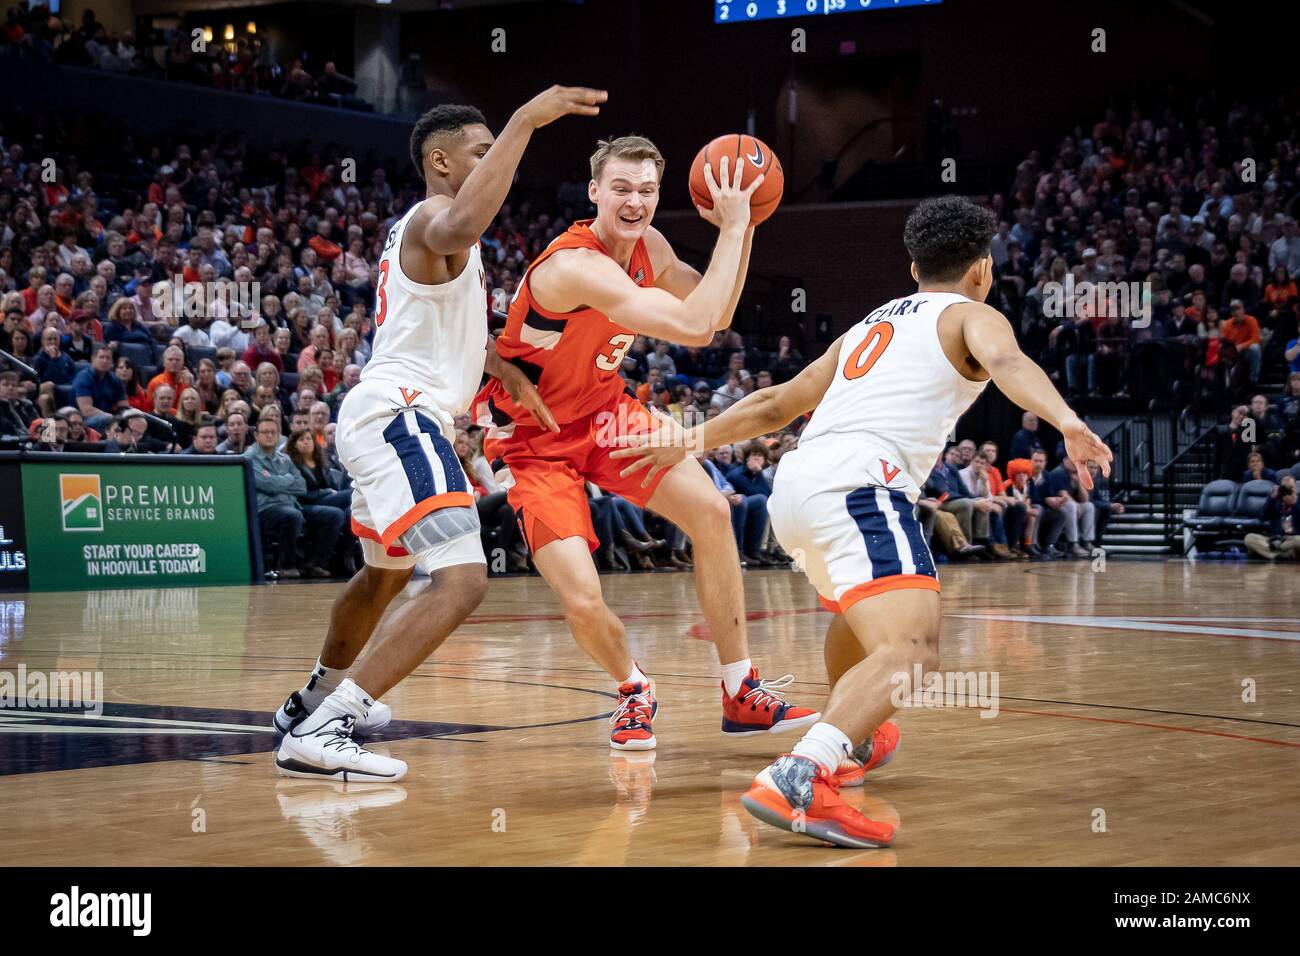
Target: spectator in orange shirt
column 989, row 452
column 64, row 293
column 193, row 263
column 651, row 384
column 1242, row 330
column 325, row 248
column 174, row 374
column 36, row 279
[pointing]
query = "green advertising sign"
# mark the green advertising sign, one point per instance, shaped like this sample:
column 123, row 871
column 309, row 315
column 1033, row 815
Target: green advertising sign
column 134, row 524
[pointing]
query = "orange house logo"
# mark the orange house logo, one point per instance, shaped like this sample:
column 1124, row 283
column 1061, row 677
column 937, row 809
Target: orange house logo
column 83, row 503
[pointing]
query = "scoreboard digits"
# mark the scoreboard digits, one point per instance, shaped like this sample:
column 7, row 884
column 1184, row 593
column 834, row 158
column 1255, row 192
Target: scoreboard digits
column 743, row 11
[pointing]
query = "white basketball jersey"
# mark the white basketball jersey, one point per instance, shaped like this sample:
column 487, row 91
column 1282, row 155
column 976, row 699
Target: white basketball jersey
column 430, row 339
column 893, row 401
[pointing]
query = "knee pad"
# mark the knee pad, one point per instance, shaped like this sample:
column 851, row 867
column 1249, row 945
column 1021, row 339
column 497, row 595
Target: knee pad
column 439, row 527
column 446, row 537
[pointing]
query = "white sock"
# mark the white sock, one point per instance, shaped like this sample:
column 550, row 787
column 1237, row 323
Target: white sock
column 733, row 675
column 323, row 681
column 636, row 677
column 347, row 700
column 826, row 744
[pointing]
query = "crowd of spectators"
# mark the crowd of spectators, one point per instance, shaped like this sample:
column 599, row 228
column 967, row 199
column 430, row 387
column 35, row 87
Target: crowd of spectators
column 96, row 265
column 1196, row 202
column 243, row 63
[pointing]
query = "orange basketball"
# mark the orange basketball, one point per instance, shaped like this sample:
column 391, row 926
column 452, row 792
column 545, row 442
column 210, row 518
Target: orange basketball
column 758, row 159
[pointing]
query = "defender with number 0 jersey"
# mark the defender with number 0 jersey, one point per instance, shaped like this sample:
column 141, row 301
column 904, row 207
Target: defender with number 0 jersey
column 845, row 499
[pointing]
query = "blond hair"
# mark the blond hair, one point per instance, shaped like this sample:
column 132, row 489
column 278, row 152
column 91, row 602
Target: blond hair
column 625, row 147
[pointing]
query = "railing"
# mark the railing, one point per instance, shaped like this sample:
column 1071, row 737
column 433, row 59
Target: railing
column 1195, row 464
column 1134, row 466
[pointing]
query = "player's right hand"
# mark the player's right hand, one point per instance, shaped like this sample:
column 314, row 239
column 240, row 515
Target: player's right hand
column 730, row 202
column 1083, row 445
column 550, row 105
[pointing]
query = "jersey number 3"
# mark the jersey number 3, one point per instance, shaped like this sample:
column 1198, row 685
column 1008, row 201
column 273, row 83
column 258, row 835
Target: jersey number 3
column 610, row 357
column 869, row 351
column 382, row 312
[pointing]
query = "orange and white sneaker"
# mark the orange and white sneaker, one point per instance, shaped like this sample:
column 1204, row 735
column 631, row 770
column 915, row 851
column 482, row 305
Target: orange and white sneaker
column 877, row 751
column 798, row 795
column 760, row 708
column 631, row 724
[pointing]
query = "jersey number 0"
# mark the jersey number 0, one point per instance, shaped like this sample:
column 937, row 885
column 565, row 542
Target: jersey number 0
column 869, row 351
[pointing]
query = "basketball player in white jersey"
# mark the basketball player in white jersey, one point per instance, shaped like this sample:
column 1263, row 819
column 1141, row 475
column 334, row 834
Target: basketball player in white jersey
column 411, row 501
column 886, row 394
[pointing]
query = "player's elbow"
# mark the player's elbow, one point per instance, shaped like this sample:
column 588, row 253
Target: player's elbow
column 696, row 338
column 691, row 331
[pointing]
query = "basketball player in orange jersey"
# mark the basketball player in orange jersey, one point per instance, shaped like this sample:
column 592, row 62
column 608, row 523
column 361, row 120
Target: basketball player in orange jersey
column 578, row 310
column 411, row 502
column 887, row 394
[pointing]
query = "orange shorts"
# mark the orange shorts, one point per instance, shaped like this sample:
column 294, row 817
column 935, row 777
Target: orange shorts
column 550, row 470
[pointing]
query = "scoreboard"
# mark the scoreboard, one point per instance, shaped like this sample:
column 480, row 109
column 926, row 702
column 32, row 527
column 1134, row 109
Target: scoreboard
column 743, row 11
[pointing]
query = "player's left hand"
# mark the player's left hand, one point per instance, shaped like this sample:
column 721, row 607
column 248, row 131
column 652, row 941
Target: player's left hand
column 658, row 450
column 731, row 203
column 1083, row 445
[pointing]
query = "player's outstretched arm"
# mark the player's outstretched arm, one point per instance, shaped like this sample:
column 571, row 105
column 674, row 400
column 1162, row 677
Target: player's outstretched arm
column 991, row 342
column 756, row 414
column 456, row 226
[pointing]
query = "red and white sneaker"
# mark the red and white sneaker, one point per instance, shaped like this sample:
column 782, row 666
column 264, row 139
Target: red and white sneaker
column 875, row 752
column 759, row 708
column 797, row 795
column 631, row 724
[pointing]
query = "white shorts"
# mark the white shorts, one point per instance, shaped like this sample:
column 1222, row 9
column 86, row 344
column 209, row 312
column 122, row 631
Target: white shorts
column 403, row 467
column 851, row 542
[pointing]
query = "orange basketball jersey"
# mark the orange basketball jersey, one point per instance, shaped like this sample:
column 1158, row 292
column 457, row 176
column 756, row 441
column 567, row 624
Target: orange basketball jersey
column 572, row 357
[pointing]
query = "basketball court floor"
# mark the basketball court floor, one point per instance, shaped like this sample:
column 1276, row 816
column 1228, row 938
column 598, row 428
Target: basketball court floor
column 1148, row 713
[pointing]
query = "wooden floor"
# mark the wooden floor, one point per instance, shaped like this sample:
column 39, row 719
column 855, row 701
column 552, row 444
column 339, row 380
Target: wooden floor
column 1120, row 705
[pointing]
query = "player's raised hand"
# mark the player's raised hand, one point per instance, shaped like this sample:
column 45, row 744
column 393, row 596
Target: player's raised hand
column 658, row 450
column 550, row 105
column 730, row 201
column 1083, row 445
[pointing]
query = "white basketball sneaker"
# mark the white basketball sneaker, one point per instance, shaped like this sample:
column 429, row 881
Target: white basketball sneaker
column 294, row 711
column 330, row 752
